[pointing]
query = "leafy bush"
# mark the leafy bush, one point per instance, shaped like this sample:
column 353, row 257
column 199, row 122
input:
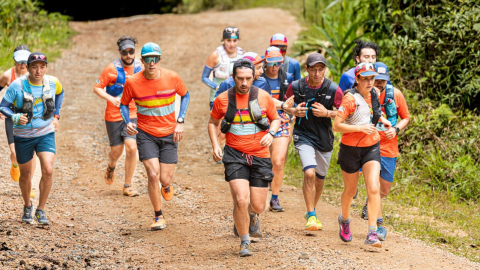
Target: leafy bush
column 24, row 22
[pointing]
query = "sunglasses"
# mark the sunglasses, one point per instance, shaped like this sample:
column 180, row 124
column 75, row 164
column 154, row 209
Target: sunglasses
column 149, row 59
column 125, row 53
column 274, row 64
column 21, row 62
column 282, row 48
column 231, row 30
column 37, row 57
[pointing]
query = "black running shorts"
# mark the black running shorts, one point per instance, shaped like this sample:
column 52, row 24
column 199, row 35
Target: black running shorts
column 351, row 158
column 117, row 132
column 258, row 171
column 162, row 148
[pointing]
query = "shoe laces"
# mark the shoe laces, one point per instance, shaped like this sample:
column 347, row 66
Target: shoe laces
column 372, row 236
column 346, row 228
column 166, row 189
column 245, row 244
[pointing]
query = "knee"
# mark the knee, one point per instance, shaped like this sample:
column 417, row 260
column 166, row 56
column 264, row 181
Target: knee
column 373, row 191
column 152, row 176
column 384, row 193
column 309, row 174
column 258, row 208
column 131, row 150
column 278, row 162
column 241, row 202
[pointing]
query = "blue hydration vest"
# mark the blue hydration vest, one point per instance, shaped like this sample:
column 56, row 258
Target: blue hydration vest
column 117, row 88
column 389, row 105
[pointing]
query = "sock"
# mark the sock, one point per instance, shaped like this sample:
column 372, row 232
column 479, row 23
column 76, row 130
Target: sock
column 274, row 197
column 345, row 220
column 245, row 237
column 126, row 185
column 311, row 214
column 379, row 221
column 372, row 229
column 158, row 213
column 15, row 165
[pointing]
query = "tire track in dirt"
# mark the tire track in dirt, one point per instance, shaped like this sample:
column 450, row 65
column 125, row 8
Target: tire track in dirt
column 95, row 227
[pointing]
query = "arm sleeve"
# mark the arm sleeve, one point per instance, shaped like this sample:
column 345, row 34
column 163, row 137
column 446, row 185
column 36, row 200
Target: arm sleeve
column 124, row 103
column 125, row 112
column 184, row 105
column 5, row 108
column 58, row 102
column 206, row 73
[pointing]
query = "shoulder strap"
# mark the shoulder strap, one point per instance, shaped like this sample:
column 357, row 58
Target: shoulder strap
column 232, row 105
column 286, row 63
column 389, row 92
column 253, row 93
column 46, row 85
column 138, row 66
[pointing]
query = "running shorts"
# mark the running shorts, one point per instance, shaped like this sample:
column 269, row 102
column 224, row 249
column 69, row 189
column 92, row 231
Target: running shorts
column 387, row 168
column 351, row 158
column 9, row 130
column 26, row 147
column 284, row 130
column 162, row 148
column 238, row 165
column 117, row 132
column 312, row 158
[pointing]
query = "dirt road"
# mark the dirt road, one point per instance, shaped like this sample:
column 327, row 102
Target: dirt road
column 94, row 226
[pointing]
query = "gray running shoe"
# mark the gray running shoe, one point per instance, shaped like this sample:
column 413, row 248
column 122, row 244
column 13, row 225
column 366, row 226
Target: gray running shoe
column 41, row 218
column 245, row 249
column 254, row 228
column 27, row 214
column 275, row 205
column 372, row 240
column 364, row 212
column 381, row 233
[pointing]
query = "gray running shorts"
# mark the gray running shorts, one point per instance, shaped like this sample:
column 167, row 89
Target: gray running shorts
column 312, row 158
column 117, row 132
column 162, row 148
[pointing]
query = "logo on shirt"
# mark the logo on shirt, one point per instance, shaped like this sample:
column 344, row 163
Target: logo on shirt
column 341, row 109
column 166, row 91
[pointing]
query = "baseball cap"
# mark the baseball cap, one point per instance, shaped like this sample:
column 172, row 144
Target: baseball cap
column 273, row 54
column 126, row 44
column 254, row 57
column 231, row 32
column 382, row 71
column 37, row 56
column 315, row 58
column 365, row 69
column 278, row 39
column 151, row 49
column 242, row 62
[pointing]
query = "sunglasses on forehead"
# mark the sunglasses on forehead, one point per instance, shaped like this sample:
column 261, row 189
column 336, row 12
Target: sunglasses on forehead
column 149, row 59
column 125, row 53
column 231, row 29
column 37, row 57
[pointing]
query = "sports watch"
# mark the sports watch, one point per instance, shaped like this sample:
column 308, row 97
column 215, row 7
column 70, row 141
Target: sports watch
column 180, row 120
column 397, row 130
column 271, row 132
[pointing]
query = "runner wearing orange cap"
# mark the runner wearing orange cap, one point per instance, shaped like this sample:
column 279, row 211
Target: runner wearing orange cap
column 290, row 65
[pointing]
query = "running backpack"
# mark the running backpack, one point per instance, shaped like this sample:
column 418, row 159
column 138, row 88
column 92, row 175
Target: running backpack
column 282, row 79
column 389, row 105
column 254, row 110
column 29, row 100
column 325, row 95
column 117, row 88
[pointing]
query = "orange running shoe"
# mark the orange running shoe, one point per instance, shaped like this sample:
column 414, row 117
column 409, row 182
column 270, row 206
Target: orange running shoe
column 167, row 192
column 109, row 175
column 159, row 223
column 129, row 191
column 15, row 173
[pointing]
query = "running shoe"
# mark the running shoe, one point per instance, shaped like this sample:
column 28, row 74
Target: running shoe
column 167, row 192
column 32, row 193
column 381, row 233
column 27, row 214
column 313, row 224
column 245, row 249
column 159, row 223
column 275, row 205
column 130, row 191
column 15, row 173
column 364, row 214
column 344, row 233
column 254, row 228
column 109, row 175
column 372, row 240
column 41, row 218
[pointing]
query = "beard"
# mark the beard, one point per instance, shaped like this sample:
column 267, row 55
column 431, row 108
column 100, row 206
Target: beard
column 125, row 62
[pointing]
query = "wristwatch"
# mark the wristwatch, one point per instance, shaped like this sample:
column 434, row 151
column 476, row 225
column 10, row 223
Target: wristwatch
column 180, row 120
column 271, row 132
column 397, row 130
column 57, row 116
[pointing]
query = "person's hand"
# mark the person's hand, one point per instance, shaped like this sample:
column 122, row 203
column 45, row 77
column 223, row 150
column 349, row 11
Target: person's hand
column 386, row 123
column 115, row 101
column 319, row 110
column 300, row 110
column 132, row 129
column 390, row 133
column 288, row 103
column 23, row 120
column 55, row 124
column 267, row 140
column 178, row 133
column 368, row 129
column 217, row 153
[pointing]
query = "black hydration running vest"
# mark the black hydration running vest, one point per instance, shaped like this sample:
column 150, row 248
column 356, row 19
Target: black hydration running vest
column 283, row 81
column 315, row 131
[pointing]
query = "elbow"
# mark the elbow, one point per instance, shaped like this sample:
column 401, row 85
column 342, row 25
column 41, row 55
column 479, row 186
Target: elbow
column 335, row 127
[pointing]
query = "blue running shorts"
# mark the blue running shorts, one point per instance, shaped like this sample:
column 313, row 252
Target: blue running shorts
column 387, row 168
column 26, row 147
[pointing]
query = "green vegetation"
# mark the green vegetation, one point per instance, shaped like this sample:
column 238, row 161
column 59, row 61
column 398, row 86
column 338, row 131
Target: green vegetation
column 24, row 22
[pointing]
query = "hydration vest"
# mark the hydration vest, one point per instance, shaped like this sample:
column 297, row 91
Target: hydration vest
column 254, row 110
column 225, row 65
column 29, row 100
column 283, row 81
column 325, row 95
column 117, row 88
column 363, row 114
column 389, row 105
